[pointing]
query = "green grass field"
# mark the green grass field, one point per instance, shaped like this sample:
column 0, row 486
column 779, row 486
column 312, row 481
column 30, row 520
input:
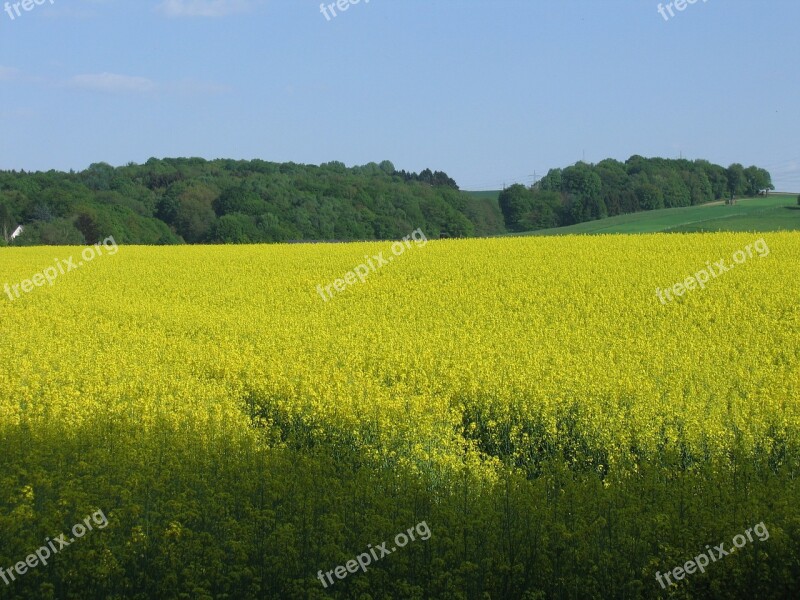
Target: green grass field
column 491, row 195
column 775, row 213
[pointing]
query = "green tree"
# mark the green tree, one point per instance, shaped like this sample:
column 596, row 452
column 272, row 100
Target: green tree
column 700, row 189
column 717, row 177
column 89, row 225
column 98, row 176
column 239, row 200
column 515, row 202
column 581, row 180
column 583, row 188
column 649, row 196
column 737, row 180
column 613, row 176
column 551, row 182
column 597, row 208
column 235, row 228
column 675, row 191
column 195, row 215
column 57, row 232
column 757, row 180
column 7, row 221
column 167, row 209
column 543, row 212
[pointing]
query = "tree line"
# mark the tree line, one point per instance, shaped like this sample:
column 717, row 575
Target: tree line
column 584, row 192
column 192, row 200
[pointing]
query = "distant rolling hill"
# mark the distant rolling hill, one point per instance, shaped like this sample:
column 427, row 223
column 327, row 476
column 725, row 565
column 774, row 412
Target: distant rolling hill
column 778, row 212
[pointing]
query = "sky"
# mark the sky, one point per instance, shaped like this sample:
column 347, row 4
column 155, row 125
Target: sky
column 492, row 92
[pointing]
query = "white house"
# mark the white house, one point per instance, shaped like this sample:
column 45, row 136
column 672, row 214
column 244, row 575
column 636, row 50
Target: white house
column 16, row 233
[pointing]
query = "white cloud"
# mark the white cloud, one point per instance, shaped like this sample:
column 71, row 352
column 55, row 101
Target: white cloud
column 111, row 82
column 204, row 8
column 116, row 83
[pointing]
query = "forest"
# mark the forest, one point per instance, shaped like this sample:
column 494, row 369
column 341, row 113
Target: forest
column 584, row 192
column 196, row 201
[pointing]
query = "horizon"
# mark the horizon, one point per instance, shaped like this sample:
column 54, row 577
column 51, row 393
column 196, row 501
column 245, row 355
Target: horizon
column 461, row 188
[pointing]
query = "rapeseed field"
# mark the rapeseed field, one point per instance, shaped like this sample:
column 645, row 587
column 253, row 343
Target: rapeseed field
column 563, row 431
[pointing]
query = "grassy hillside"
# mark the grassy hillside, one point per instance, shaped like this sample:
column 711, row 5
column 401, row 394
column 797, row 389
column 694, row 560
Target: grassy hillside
column 776, row 213
column 490, row 195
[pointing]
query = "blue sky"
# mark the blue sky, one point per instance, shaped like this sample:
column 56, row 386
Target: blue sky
column 490, row 92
